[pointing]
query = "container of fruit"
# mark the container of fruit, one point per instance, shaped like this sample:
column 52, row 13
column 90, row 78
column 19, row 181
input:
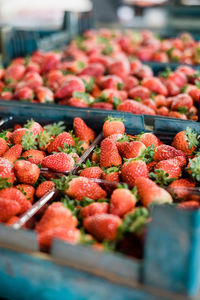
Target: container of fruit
column 98, row 71
column 125, row 222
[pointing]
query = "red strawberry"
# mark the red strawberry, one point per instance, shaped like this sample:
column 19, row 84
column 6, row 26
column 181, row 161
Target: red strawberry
column 93, row 209
column 94, row 69
column 164, row 152
column 150, row 192
column 74, row 101
column 135, row 108
column 15, row 72
column 13, row 153
column 44, row 95
column 12, row 220
column 186, row 141
column 44, row 188
column 34, row 127
column 133, row 149
column 133, row 169
column 166, row 170
column 71, row 236
column 8, row 209
column 103, row 226
column 70, row 85
column 16, row 137
column 24, row 93
column 59, row 162
column 182, row 161
column 155, row 85
column 6, row 170
column 130, row 82
column 27, row 190
column 96, row 155
column 179, row 188
column 26, row 172
column 111, row 174
column 81, row 187
column 122, row 201
column 56, row 215
column 139, row 92
column 34, row 156
column 3, row 146
column 149, row 139
column 182, row 103
column 92, row 172
column 151, row 165
column 82, row 131
column 60, row 141
column 113, row 126
column 16, row 195
column 109, row 154
column 188, row 205
column 177, row 115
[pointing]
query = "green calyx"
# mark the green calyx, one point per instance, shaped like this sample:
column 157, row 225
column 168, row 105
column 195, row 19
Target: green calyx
column 167, row 72
column 120, row 86
column 124, row 138
column 113, row 119
column 116, row 102
column 148, row 154
column 97, row 150
column 55, row 129
column 112, row 169
column 195, row 168
column 62, row 184
column 81, row 95
column 191, row 137
column 29, row 124
column 182, row 109
column 44, row 139
column 86, row 239
column 161, row 177
column 89, row 84
column 5, row 183
column 3, row 135
column 29, row 141
column 134, row 222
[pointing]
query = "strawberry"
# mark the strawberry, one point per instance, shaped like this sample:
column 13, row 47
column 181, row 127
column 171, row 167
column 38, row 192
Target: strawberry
column 93, row 209
column 177, row 115
column 92, row 172
column 44, row 95
column 93, row 69
column 26, row 172
column 135, row 108
column 151, row 165
column 155, row 85
column 149, row 139
column 13, row 153
column 34, row 127
column 45, row 238
column 3, row 146
column 27, row 190
column 166, row 170
column 96, row 155
column 70, row 85
column 16, row 195
column 111, row 174
column 122, row 201
column 82, row 131
column 75, row 101
column 164, row 152
column 179, row 188
column 113, row 126
column 6, row 170
column 182, row 103
column 59, row 162
column 116, row 137
column 34, row 156
column 103, row 226
column 43, row 188
column 44, row 140
column 150, row 192
column 24, row 93
column 188, row 205
column 81, row 187
column 186, row 141
column 109, row 154
column 8, row 209
column 139, row 92
column 60, row 141
column 133, row 149
column 16, row 137
column 12, row 220
column 132, row 169
column 15, row 72
column 56, row 215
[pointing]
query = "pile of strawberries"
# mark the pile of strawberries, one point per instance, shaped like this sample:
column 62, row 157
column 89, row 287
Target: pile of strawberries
column 24, row 151
column 101, row 70
column 106, row 204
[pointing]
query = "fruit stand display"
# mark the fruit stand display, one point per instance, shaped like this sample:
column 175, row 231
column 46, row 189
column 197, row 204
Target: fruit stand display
column 83, row 231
